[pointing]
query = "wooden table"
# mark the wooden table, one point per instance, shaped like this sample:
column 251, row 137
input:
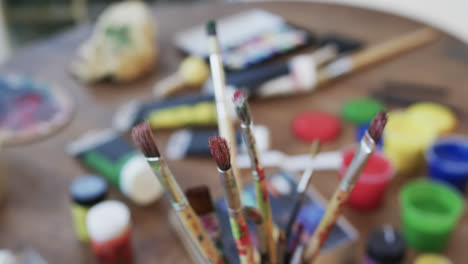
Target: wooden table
column 37, row 211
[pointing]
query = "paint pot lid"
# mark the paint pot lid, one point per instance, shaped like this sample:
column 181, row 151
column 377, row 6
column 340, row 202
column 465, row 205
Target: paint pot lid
column 138, row 182
column 432, row 259
column 311, row 125
column 107, row 220
column 361, row 110
column 441, row 117
column 88, row 190
column 386, row 246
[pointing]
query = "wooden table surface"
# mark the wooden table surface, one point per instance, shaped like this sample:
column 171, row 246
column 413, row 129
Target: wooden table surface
column 37, row 210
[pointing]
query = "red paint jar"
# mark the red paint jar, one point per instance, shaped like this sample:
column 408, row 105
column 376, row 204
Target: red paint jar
column 108, row 225
column 372, row 184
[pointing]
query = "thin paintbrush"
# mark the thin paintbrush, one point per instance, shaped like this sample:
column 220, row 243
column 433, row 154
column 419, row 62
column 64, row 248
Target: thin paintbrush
column 301, row 192
column 337, row 202
column 240, row 231
column 143, row 138
column 296, row 256
column 258, row 173
column 225, row 126
column 375, row 54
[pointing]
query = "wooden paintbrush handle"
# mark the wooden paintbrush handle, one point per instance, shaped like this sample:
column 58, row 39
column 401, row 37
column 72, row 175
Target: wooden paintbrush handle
column 329, row 219
column 375, row 54
column 263, row 203
column 198, row 234
column 392, row 48
column 240, row 232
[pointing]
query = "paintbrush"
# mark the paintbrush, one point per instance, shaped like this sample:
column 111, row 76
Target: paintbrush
column 143, row 138
column 339, row 198
column 375, row 54
column 258, row 173
column 347, row 64
column 297, row 255
column 255, row 215
column 199, row 198
column 225, row 127
column 301, row 191
column 240, row 231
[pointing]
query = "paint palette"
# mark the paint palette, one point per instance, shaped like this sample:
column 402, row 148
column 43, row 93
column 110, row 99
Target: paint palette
column 30, row 109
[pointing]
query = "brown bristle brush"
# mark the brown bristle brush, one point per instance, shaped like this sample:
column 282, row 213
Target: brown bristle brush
column 144, row 139
column 340, row 197
column 220, row 150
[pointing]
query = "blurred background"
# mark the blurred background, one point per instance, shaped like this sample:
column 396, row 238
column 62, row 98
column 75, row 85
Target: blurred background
column 23, row 21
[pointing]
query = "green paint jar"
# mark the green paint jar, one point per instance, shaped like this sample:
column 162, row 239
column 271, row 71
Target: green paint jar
column 85, row 192
column 430, row 212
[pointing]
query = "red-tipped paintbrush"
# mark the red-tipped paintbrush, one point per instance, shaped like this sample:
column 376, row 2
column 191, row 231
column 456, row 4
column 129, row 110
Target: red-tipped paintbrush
column 240, row 231
column 337, row 202
column 258, row 173
column 143, row 138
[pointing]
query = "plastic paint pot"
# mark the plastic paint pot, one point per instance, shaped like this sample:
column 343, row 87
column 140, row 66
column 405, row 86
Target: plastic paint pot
column 108, row 225
column 372, row 183
column 405, row 141
column 447, row 161
column 432, row 259
column 429, row 212
column 442, row 118
column 385, row 246
column 85, row 192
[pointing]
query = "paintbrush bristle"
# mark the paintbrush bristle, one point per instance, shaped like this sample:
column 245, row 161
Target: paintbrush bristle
column 242, row 108
column 199, row 198
column 211, row 28
column 220, row 150
column 377, row 126
column 144, row 140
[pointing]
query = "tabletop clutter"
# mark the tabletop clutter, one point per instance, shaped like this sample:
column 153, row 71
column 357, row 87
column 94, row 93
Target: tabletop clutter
column 277, row 219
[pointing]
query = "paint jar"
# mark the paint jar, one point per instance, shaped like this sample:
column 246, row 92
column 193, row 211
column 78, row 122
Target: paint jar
column 108, row 225
column 372, row 183
column 447, row 161
column 110, row 155
column 429, row 211
column 85, row 192
column 405, row 141
column 385, row 246
column 432, row 259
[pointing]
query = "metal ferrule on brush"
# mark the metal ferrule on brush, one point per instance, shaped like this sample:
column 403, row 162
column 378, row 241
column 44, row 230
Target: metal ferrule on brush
column 249, row 140
column 366, row 147
column 167, row 180
column 230, row 188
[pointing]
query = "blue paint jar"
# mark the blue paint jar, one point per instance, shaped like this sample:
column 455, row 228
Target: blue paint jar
column 447, row 161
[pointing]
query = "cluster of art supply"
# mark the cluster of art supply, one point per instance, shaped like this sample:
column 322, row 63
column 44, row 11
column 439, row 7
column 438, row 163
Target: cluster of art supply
column 272, row 242
column 275, row 219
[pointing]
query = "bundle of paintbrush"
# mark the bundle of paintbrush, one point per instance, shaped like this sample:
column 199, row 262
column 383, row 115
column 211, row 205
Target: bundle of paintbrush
column 197, row 218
